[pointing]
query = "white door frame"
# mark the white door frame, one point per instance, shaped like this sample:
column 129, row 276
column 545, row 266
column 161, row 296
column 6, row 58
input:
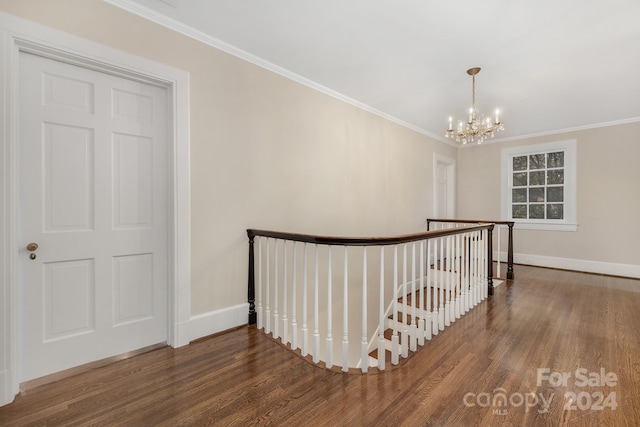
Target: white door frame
column 18, row 35
column 451, row 179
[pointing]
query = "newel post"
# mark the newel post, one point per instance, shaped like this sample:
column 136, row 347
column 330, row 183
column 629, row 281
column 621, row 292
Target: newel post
column 251, row 285
column 490, row 259
column 510, row 253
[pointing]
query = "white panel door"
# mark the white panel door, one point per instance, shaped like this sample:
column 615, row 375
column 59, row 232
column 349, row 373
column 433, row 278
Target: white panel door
column 444, row 187
column 442, row 190
column 93, row 197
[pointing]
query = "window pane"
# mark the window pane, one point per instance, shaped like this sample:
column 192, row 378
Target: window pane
column 555, row 160
column 536, row 211
column 520, row 163
column 536, row 161
column 519, row 179
column 536, row 194
column 555, row 177
column 519, row 211
column 555, row 211
column 519, row 195
column 555, row 194
column 536, row 178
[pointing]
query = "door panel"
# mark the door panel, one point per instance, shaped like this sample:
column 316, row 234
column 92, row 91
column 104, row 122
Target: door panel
column 133, row 181
column 69, row 289
column 133, row 286
column 93, row 196
column 68, row 171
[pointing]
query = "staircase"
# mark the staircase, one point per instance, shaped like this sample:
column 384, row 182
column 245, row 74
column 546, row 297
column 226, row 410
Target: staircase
column 419, row 318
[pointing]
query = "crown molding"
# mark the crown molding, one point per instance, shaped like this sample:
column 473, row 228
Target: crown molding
column 558, row 131
column 164, row 21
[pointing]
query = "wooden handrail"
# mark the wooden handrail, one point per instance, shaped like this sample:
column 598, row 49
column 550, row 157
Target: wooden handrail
column 467, row 221
column 477, row 221
column 365, row 241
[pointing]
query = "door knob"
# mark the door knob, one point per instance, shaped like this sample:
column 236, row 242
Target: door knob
column 32, row 247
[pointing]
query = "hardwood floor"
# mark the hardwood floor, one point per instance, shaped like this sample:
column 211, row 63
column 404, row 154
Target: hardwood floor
column 545, row 319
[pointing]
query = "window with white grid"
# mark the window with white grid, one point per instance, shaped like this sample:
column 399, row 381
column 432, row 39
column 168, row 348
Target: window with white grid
column 539, row 185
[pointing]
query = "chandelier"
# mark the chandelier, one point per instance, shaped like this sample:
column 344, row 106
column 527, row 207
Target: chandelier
column 477, row 128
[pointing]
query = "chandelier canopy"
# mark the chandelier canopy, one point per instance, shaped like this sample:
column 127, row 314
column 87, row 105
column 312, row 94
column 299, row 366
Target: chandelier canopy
column 477, row 128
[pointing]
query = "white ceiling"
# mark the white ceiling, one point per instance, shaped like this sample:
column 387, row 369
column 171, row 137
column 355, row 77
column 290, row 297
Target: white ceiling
column 548, row 65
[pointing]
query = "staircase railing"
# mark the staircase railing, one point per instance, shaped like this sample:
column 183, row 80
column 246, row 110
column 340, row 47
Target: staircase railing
column 404, row 289
column 449, row 223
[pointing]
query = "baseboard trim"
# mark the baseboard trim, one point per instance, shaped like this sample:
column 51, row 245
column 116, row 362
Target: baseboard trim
column 67, row 373
column 212, row 322
column 6, row 395
column 587, row 266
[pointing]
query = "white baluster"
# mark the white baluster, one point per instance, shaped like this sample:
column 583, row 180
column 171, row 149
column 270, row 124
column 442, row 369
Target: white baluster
column 294, row 298
column 471, row 268
column 458, row 310
column 259, row 293
column 441, row 313
column 364, row 354
column 476, row 267
column 499, row 253
column 467, row 263
column 422, row 290
column 427, row 326
column 395, row 344
column 472, row 273
column 316, row 311
column 345, row 315
column 435, row 317
column 452, row 274
column 447, row 305
column 485, row 263
column 276, row 288
column 404, row 337
column 413, row 343
column 481, row 267
column 481, row 282
column 267, row 311
column 329, row 357
column 305, row 327
column 285, row 321
column 381, row 346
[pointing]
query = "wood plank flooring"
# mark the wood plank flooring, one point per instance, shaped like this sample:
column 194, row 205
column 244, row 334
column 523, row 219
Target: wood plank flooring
column 545, row 319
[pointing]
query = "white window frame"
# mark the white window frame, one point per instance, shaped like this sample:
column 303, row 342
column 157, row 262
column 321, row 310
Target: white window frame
column 569, row 223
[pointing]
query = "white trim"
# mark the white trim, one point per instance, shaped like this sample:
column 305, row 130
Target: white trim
column 569, row 223
column 212, row 322
column 18, row 35
column 558, row 131
column 144, row 12
column 587, row 266
column 531, row 225
column 164, row 21
column 451, row 179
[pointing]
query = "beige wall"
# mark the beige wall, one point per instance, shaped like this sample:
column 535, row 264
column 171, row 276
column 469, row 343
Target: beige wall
column 608, row 196
column 266, row 152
